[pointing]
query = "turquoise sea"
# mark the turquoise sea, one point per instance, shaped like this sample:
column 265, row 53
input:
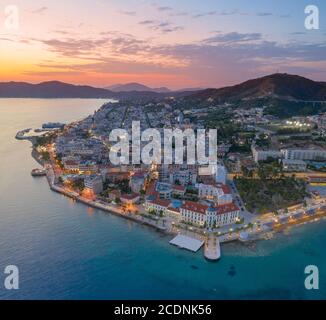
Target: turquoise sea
column 65, row 250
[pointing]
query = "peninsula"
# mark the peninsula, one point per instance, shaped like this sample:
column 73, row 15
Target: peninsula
column 243, row 195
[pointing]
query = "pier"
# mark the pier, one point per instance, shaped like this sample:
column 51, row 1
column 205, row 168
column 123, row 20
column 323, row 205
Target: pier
column 38, row 173
column 21, row 135
column 212, row 250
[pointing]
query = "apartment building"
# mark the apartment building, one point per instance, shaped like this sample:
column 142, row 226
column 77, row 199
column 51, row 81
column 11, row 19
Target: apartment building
column 304, row 154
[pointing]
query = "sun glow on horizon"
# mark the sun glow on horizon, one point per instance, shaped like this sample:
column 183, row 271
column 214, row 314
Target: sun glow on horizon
column 186, row 44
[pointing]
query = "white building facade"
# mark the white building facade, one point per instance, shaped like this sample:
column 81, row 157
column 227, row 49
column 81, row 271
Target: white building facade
column 209, row 216
column 304, row 154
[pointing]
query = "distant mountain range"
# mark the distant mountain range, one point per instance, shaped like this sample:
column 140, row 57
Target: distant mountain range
column 50, row 89
column 283, row 94
column 134, row 86
column 57, row 89
column 138, row 87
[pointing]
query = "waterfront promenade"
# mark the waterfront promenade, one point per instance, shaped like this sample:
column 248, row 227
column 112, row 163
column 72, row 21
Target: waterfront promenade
column 114, row 209
column 212, row 249
column 257, row 228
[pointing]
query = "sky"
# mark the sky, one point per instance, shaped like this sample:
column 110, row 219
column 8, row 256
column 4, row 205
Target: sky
column 177, row 44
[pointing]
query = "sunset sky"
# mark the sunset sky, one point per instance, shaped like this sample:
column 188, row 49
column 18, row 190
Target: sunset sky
column 178, row 44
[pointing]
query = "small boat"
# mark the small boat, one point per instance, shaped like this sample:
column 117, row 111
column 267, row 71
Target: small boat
column 38, row 172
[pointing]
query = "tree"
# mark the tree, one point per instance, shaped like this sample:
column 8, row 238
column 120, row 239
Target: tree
column 45, row 156
column 277, row 199
column 245, row 171
column 45, row 139
column 78, row 184
column 262, row 174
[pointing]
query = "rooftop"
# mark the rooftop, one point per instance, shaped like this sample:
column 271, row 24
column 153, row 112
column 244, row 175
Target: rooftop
column 225, row 208
column 129, row 196
column 194, row 206
column 161, row 202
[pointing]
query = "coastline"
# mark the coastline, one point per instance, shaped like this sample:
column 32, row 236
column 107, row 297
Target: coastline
column 224, row 238
column 36, row 156
column 105, row 208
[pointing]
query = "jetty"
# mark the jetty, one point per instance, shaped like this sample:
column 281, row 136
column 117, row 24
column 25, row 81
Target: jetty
column 21, row 135
column 38, row 172
column 212, row 250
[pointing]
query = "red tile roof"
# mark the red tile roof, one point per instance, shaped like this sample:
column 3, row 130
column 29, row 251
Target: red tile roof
column 201, row 208
column 226, row 189
column 151, row 189
column 139, row 174
column 129, row 196
column 161, row 202
column 71, row 163
column 194, row 206
column 225, row 208
column 177, row 187
column 122, row 175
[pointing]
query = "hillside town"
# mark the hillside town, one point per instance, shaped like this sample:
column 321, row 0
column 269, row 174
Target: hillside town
column 242, row 196
column 182, row 192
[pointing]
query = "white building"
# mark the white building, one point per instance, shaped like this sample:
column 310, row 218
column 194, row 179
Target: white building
column 194, row 212
column 227, row 214
column 137, row 182
column 184, row 177
column 220, row 174
column 157, row 205
column 219, row 193
column 304, row 154
column 201, row 215
column 197, row 213
column 94, row 183
column 164, row 190
column 262, row 155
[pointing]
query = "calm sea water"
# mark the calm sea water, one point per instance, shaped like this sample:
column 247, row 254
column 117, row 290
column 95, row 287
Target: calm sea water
column 65, row 250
